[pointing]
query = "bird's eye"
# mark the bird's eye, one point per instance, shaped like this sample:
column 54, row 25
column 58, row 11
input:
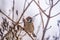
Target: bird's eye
column 30, row 20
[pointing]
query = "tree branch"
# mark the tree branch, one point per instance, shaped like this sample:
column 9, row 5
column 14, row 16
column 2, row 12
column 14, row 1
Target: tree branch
column 6, row 16
column 47, row 22
column 40, row 8
column 24, row 5
column 56, row 2
column 13, row 10
column 48, row 28
column 23, row 12
column 13, row 29
column 55, row 15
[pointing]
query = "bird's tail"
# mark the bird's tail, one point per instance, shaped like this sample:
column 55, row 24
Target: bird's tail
column 33, row 35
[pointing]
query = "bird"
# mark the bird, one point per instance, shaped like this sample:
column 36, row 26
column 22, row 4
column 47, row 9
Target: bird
column 28, row 25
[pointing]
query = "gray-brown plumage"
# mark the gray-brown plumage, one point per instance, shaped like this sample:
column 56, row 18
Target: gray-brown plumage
column 28, row 25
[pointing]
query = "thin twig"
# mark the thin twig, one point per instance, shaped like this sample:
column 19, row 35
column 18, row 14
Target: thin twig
column 22, row 15
column 48, row 28
column 45, row 28
column 23, row 12
column 13, row 10
column 40, row 8
column 24, row 35
column 38, row 30
column 46, row 9
column 42, row 20
column 46, row 2
column 14, row 29
column 6, row 34
column 48, row 20
column 44, row 31
column 41, row 16
column 55, row 15
column 35, row 15
column 24, row 4
column 56, row 2
column 6, row 16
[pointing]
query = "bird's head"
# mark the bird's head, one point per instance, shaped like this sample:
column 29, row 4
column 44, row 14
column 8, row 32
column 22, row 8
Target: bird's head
column 29, row 19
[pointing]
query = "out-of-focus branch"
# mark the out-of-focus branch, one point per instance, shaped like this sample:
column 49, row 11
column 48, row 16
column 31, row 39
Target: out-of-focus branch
column 42, row 20
column 23, row 12
column 41, row 16
column 46, row 2
column 55, row 15
column 53, row 6
column 48, row 38
column 46, row 23
column 13, row 29
column 6, row 34
column 51, row 2
column 38, row 30
column 56, row 2
column 40, row 8
column 48, row 28
column 17, row 12
column 45, row 28
column 21, row 17
column 13, row 10
column 24, row 4
column 36, row 15
column 6, row 15
column 46, row 9
column 48, row 20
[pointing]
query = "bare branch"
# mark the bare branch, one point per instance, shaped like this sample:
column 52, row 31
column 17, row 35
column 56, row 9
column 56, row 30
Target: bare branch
column 45, row 28
column 48, row 38
column 17, row 12
column 24, row 35
column 52, row 7
column 46, row 2
column 21, row 28
column 38, row 30
column 46, row 15
column 6, row 34
column 42, row 20
column 41, row 16
column 24, row 4
column 55, row 15
column 24, row 12
column 56, row 2
column 35, row 15
column 21, row 17
column 40, row 8
column 13, row 29
column 13, row 10
column 47, row 23
column 51, row 2
column 48, row 28
column 46, row 9
column 7, row 16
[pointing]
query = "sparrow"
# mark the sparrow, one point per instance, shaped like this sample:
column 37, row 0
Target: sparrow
column 28, row 25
